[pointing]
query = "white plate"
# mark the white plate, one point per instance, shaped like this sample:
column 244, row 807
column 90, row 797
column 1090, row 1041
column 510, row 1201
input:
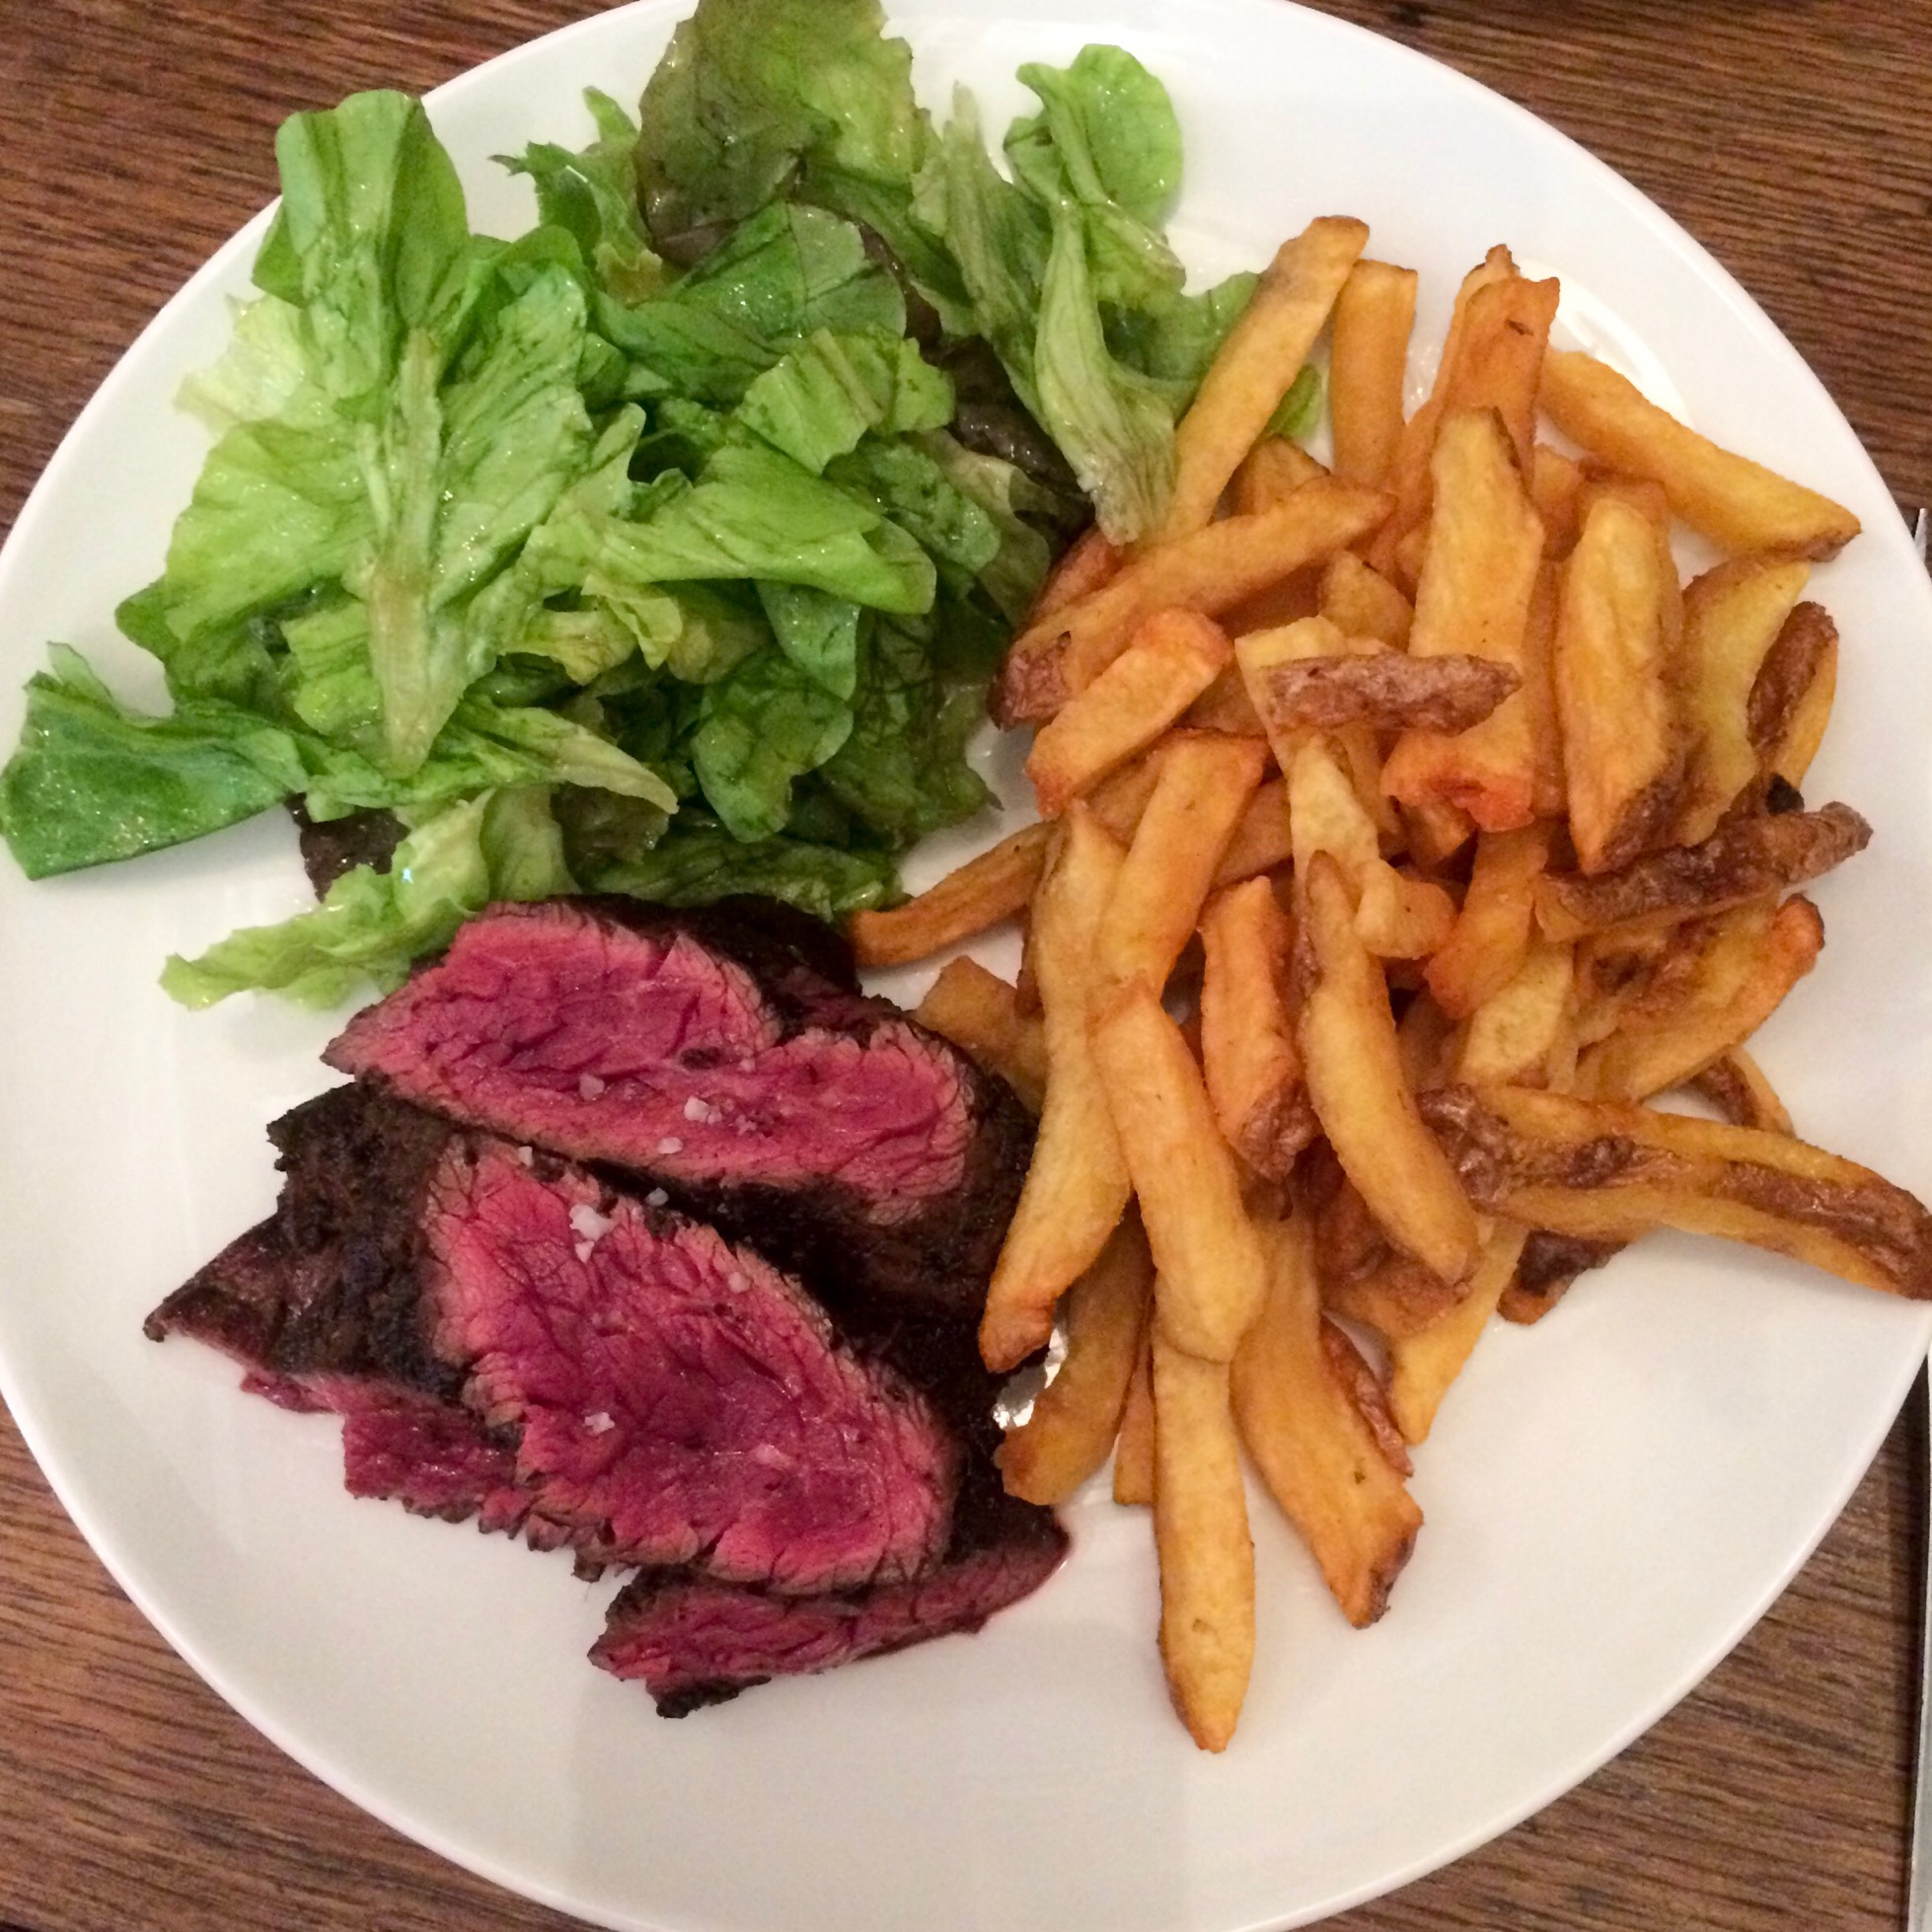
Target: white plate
column 1612, row 1498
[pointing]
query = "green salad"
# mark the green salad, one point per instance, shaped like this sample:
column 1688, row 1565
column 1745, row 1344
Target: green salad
column 667, row 548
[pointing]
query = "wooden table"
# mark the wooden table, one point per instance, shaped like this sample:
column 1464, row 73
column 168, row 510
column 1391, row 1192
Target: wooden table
column 1792, row 139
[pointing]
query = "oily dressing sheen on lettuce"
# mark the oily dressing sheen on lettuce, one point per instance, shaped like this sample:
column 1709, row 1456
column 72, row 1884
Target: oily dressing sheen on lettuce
column 667, row 548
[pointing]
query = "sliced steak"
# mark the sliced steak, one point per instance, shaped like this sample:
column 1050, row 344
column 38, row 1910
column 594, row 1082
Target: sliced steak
column 504, row 1329
column 692, row 1641
column 729, row 1059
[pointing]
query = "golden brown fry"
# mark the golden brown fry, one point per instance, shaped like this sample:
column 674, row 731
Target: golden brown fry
column 1076, row 1416
column 1203, row 1244
column 978, row 1013
column 1225, row 706
column 1739, row 505
column 1134, row 1446
column 1363, row 1385
column 1791, row 701
column 1119, row 799
column 1408, row 476
column 1746, row 963
column 1474, row 599
column 982, row 892
column 1491, row 935
column 1733, row 616
column 1555, row 484
column 1249, row 1053
column 1368, row 362
column 1086, row 563
column 1396, row 1296
column 1254, row 366
column 1271, row 472
column 1362, row 603
column 1546, row 1272
column 1355, row 1078
column 1426, row 1037
column 1736, row 1085
column 1436, row 832
column 1077, row 1185
column 1261, row 839
column 1397, row 916
column 1622, row 754
column 1743, row 860
column 1318, row 1455
column 1422, row 1365
column 1499, row 363
column 1203, row 787
column 1609, row 1171
column 1201, row 1533
column 1212, row 570
column 1174, row 657
column 1517, row 1036
column 1388, row 690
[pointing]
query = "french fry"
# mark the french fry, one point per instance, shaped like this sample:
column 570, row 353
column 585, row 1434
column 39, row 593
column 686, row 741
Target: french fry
column 1271, row 470
column 1791, row 700
column 1204, row 786
column 1249, row 1058
column 1423, row 1365
column 1362, row 603
column 1473, row 599
column 1499, row 362
column 1609, row 1171
column 1516, row 1035
column 1261, row 840
column 1294, row 596
column 1736, row 1085
column 1396, row 1296
column 1076, row 1416
column 1225, row 706
column 1319, row 1457
column 1387, row 690
column 978, row 1013
column 1355, row 1080
column 1436, row 830
column 1749, row 960
column 1174, row 657
column 1211, row 1276
column 1077, row 1185
column 1201, row 1535
column 995, row 885
column 1119, row 799
column 1738, row 504
column 1732, row 615
column 1368, row 362
column 1397, row 916
column 1745, row 858
column 1408, row 479
column 1086, row 563
column 1133, row 1447
column 1363, row 1385
column 1555, row 486
column 1252, row 372
column 1549, row 787
column 1622, row 756
column 1211, row 571
column 1547, row 1271
column 1426, row 1037
column 1490, row 940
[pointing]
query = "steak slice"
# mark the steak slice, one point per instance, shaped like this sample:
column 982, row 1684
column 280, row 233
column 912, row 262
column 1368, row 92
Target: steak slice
column 693, row 1641
column 515, row 1339
column 720, row 1055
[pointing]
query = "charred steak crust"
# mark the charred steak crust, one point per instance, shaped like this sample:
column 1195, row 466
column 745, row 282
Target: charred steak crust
column 726, row 1057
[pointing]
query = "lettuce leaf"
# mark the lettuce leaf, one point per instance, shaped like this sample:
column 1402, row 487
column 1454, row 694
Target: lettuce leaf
column 93, row 782
column 700, row 863
column 764, row 726
column 371, row 926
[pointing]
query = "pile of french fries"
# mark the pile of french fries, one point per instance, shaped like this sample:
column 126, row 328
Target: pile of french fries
column 1407, row 826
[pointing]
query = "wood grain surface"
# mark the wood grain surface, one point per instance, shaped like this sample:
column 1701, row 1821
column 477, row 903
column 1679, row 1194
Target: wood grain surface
column 1790, row 136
